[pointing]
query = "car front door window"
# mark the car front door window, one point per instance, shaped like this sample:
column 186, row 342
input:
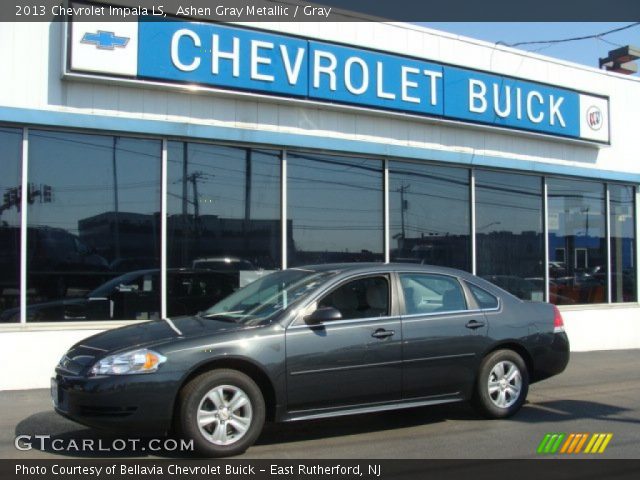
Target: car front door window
column 362, row 298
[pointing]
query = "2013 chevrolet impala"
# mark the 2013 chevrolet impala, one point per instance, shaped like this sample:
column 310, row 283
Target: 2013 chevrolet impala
column 313, row 342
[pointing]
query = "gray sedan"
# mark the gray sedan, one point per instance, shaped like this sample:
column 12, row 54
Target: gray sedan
column 314, row 342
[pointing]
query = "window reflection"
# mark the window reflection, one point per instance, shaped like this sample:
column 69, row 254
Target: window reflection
column 10, row 152
column 93, row 215
column 335, row 209
column 622, row 224
column 223, row 220
column 577, row 242
column 509, row 237
column 429, row 210
column 94, row 224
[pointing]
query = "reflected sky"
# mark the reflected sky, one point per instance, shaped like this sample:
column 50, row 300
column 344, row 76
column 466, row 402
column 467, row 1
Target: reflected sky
column 80, row 169
column 335, row 203
column 437, row 199
column 10, row 152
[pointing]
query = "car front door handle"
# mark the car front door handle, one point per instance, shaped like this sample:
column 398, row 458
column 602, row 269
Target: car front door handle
column 382, row 333
column 473, row 324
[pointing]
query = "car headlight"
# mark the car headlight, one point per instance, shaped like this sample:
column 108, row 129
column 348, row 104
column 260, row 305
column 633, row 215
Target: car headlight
column 128, row 363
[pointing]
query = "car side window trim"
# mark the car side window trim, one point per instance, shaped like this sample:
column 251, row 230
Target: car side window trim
column 299, row 322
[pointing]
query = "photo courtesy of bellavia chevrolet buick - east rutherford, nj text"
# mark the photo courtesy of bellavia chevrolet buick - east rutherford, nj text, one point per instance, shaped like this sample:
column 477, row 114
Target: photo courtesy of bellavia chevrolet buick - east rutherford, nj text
column 224, row 235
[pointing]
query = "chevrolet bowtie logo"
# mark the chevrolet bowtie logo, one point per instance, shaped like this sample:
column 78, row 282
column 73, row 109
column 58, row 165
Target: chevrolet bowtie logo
column 105, row 40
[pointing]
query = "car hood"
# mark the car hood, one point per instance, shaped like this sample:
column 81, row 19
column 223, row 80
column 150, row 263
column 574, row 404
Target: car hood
column 158, row 331
column 147, row 334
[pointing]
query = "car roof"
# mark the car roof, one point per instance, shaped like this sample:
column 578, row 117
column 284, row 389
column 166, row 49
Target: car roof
column 356, row 268
column 383, row 267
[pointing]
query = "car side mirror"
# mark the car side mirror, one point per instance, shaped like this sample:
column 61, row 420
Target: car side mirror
column 323, row 314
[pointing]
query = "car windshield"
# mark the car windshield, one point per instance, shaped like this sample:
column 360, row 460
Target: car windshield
column 261, row 300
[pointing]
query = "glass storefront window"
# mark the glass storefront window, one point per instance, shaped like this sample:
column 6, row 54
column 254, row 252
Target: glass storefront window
column 335, row 209
column 93, row 234
column 93, row 222
column 223, row 221
column 10, row 180
column 577, row 242
column 622, row 225
column 509, row 232
column 429, row 212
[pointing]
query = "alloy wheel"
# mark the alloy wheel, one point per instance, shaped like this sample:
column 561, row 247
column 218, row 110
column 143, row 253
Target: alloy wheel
column 504, row 384
column 224, row 415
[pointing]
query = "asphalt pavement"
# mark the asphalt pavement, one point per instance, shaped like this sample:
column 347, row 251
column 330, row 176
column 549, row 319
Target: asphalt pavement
column 598, row 393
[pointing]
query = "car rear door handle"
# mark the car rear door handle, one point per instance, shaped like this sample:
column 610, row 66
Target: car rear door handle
column 382, row 333
column 473, row 324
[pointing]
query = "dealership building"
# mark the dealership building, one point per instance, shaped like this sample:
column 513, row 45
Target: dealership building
column 166, row 163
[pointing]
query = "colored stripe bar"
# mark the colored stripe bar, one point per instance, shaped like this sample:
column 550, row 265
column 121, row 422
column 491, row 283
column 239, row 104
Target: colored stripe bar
column 582, row 442
column 591, row 442
column 555, row 447
column 567, row 443
column 605, row 442
column 550, row 443
column 575, row 442
column 543, row 443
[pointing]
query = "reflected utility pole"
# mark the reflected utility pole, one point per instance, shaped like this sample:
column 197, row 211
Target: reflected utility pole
column 403, row 207
column 185, row 204
column 247, row 199
column 115, row 199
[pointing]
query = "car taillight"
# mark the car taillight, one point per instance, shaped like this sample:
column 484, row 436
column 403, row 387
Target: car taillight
column 558, row 323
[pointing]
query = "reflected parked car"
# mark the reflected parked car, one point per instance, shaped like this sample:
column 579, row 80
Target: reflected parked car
column 135, row 296
column 517, row 286
column 129, row 264
column 57, row 260
column 315, row 342
column 224, row 264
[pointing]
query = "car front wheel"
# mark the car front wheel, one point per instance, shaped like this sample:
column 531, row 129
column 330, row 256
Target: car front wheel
column 502, row 384
column 223, row 412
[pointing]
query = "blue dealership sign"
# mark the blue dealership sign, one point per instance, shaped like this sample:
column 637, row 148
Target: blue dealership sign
column 242, row 59
column 373, row 79
column 221, row 56
column 506, row 102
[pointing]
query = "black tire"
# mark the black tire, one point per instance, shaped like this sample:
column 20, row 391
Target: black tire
column 196, row 394
column 507, row 399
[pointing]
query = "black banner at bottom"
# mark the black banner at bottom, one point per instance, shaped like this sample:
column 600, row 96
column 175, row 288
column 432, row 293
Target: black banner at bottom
column 543, row 469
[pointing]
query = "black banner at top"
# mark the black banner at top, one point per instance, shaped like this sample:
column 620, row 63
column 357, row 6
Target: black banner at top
column 332, row 10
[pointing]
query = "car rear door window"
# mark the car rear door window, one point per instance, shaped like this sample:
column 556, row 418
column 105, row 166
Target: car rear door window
column 431, row 293
column 362, row 298
column 484, row 299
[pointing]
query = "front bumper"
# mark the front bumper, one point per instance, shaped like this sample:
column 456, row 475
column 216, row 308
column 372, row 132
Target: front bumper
column 129, row 403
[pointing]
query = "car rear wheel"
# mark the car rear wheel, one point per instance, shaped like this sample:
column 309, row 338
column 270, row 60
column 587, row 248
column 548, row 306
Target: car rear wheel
column 223, row 412
column 502, row 384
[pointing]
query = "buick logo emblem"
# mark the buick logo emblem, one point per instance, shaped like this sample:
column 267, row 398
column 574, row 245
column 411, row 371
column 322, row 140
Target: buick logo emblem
column 594, row 118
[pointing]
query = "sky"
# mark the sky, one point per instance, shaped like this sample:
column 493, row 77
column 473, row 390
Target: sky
column 585, row 52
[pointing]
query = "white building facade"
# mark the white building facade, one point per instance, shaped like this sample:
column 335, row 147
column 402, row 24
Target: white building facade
column 167, row 163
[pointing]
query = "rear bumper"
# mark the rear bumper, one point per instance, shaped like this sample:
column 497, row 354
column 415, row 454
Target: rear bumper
column 553, row 359
column 134, row 403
